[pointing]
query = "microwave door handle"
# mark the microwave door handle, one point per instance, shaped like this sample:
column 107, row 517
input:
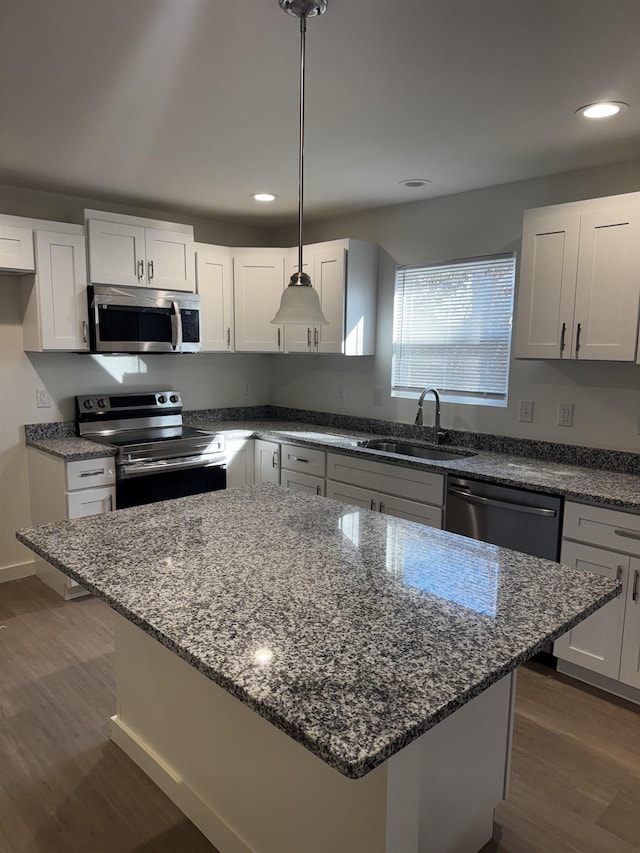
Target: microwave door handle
column 176, row 327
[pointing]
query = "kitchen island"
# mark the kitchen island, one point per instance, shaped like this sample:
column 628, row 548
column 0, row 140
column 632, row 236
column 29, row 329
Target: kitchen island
column 301, row 676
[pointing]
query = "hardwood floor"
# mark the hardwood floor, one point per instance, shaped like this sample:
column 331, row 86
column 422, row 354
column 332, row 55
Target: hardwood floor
column 65, row 788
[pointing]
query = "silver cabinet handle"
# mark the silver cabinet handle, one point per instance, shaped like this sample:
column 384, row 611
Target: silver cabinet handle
column 140, row 269
column 318, row 490
column 299, row 459
column 315, row 337
column 478, row 499
column 372, row 505
column 619, row 574
column 562, row 336
column 381, row 509
column 634, row 596
column 95, row 473
column 278, row 338
column 274, row 459
column 309, row 338
column 110, row 503
column 229, row 336
column 579, row 329
column 627, row 534
column 150, row 268
column 85, row 327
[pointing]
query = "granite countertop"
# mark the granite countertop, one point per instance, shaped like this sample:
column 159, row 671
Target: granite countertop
column 592, row 485
column 351, row 631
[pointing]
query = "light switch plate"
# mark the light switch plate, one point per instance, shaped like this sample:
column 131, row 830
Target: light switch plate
column 525, row 412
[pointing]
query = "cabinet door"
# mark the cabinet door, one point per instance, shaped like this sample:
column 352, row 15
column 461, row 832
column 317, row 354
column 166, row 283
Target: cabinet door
column 170, row 260
column 630, row 661
column 240, row 462
column 329, row 279
column 606, row 311
column 267, row 461
column 213, row 275
column 258, row 282
column 61, row 291
column 116, row 253
column 91, row 501
column 596, row 643
column 302, row 482
column 352, row 495
column 546, row 290
column 299, row 338
column 411, row 510
column 16, row 249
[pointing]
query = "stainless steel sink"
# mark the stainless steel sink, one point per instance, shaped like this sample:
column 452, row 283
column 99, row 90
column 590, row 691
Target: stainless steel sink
column 420, row 450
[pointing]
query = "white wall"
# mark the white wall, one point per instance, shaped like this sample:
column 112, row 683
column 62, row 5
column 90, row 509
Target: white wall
column 606, row 396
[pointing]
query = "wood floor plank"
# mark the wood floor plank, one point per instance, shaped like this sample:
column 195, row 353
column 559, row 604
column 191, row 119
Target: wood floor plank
column 65, row 788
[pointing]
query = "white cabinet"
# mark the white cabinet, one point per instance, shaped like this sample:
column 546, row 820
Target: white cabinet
column 303, row 468
column 344, row 272
column 267, row 461
column 213, row 281
column 55, row 311
column 258, row 283
column 607, row 644
column 411, row 493
column 133, row 252
column 240, row 454
column 579, row 288
column 16, row 249
column 60, row 490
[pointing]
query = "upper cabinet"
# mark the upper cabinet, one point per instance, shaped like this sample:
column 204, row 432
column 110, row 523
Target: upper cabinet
column 55, row 315
column 140, row 252
column 580, row 281
column 213, row 279
column 344, row 272
column 258, row 283
column 16, row 249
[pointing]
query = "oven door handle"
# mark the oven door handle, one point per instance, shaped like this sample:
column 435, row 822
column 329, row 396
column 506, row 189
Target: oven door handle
column 176, row 326
column 142, row 469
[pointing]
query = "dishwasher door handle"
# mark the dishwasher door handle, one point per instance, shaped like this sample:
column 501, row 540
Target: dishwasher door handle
column 478, row 499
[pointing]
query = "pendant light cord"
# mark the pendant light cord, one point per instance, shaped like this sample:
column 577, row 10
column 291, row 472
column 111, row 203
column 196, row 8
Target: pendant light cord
column 303, row 32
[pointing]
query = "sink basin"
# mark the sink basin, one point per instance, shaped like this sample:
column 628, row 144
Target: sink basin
column 419, row 450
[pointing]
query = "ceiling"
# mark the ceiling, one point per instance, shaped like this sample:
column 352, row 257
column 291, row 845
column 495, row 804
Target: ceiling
column 192, row 105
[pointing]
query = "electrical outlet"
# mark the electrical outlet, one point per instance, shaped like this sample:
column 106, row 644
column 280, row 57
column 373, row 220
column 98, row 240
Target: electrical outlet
column 377, row 396
column 340, row 393
column 565, row 414
column 525, row 412
column 43, row 398
column 246, row 388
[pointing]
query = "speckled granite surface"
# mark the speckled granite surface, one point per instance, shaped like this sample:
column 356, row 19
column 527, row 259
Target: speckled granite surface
column 71, row 447
column 353, row 632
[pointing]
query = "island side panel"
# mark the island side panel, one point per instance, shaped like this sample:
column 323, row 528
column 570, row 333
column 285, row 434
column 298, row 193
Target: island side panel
column 246, row 785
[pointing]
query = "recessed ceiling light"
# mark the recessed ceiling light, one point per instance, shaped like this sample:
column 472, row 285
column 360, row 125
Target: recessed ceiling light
column 264, row 196
column 413, row 183
column 603, row 109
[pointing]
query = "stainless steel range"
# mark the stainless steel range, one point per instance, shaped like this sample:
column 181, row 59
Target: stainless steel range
column 158, row 457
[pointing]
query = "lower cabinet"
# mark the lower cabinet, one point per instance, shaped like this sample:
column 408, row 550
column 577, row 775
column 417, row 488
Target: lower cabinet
column 240, row 461
column 62, row 490
column 411, row 493
column 267, row 461
column 607, row 644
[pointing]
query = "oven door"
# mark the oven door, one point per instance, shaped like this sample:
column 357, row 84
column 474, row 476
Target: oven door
column 148, row 482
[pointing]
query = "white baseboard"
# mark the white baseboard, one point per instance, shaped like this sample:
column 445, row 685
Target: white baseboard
column 624, row 691
column 19, row 570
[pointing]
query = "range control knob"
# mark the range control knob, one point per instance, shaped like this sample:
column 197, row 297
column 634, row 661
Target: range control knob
column 88, row 404
column 174, row 398
column 102, row 403
column 162, row 398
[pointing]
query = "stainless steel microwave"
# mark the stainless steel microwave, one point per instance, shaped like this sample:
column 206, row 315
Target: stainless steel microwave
column 140, row 319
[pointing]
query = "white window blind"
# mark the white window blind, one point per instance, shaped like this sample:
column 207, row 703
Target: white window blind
column 452, row 329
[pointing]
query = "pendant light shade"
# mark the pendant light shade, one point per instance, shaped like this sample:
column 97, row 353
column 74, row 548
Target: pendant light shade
column 300, row 303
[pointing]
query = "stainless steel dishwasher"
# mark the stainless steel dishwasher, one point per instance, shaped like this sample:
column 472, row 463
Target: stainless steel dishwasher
column 513, row 518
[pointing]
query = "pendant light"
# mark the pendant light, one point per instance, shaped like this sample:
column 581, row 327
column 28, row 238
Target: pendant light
column 300, row 303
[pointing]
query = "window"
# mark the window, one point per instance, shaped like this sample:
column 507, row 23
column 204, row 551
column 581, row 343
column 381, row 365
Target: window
column 452, row 329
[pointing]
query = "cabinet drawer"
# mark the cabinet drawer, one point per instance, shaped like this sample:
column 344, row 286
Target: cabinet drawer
column 307, row 460
column 87, row 473
column 412, row 483
column 599, row 526
column 302, row 482
column 91, row 501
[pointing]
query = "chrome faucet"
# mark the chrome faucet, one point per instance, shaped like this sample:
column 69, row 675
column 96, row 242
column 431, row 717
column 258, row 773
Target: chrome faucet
column 437, row 432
